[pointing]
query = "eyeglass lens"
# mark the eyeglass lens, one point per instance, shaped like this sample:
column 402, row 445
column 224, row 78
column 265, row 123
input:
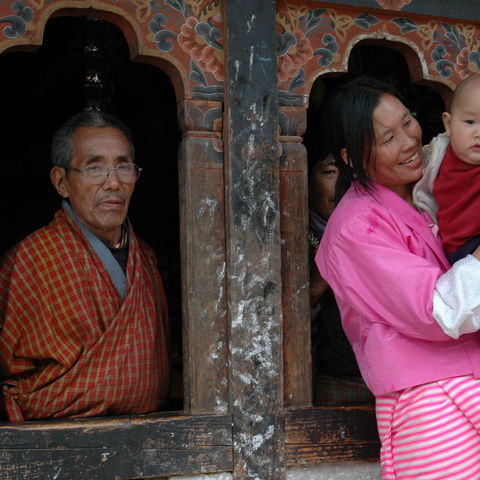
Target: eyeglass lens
column 126, row 173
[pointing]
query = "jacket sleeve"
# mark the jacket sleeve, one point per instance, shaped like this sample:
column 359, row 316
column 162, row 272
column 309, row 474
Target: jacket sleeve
column 374, row 271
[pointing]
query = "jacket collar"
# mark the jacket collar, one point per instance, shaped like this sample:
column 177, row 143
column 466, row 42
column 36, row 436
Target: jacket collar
column 417, row 220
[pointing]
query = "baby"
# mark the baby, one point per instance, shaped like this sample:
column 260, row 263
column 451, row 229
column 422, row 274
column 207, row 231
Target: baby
column 452, row 173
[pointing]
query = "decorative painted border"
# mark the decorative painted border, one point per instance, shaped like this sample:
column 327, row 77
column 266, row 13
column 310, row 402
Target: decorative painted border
column 310, row 41
column 319, row 40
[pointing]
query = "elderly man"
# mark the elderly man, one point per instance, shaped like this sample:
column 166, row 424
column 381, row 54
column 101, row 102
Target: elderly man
column 82, row 307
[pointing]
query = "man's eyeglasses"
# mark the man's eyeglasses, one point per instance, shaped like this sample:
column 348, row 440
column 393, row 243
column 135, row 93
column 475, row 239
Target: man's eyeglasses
column 97, row 174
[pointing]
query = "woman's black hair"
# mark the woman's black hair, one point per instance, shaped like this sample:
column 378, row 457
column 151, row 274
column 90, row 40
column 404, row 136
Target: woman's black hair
column 348, row 124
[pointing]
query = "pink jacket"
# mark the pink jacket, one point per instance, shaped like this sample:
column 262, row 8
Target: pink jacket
column 382, row 260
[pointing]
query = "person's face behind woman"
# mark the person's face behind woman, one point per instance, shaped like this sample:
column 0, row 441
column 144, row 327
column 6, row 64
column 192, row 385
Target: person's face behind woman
column 397, row 151
column 322, row 187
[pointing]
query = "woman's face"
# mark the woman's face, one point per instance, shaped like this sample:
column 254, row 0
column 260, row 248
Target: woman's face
column 322, row 187
column 397, row 152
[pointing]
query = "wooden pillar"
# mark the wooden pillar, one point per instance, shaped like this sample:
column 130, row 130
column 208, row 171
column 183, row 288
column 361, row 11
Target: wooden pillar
column 295, row 269
column 253, row 240
column 202, row 223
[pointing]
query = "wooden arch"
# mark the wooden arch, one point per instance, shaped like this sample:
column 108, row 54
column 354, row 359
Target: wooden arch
column 414, row 58
column 25, row 29
column 316, row 38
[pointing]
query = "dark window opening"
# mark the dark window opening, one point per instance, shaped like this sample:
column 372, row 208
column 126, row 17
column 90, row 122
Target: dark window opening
column 336, row 378
column 85, row 63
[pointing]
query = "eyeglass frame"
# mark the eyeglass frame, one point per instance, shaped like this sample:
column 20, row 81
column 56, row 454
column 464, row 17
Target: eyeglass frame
column 107, row 171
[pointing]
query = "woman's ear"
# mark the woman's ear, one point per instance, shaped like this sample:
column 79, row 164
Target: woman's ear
column 57, row 176
column 447, row 118
column 345, row 157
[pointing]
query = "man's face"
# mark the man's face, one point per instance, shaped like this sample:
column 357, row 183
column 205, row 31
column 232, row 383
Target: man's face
column 102, row 208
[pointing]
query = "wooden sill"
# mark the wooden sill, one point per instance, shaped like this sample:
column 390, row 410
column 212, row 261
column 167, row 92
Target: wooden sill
column 166, row 444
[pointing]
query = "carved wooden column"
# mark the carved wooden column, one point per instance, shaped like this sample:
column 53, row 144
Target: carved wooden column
column 253, row 240
column 295, row 269
column 202, row 223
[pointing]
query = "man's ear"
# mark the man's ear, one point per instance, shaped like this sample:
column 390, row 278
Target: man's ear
column 57, row 176
column 447, row 118
column 345, row 157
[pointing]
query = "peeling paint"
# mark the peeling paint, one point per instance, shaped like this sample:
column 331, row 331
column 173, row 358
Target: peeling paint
column 247, row 379
column 105, row 456
column 207, row 209
column 237, row 69
column 257, row 442
column 250, row 62
column 302, row 288
column 220, row 405
column 250, row 22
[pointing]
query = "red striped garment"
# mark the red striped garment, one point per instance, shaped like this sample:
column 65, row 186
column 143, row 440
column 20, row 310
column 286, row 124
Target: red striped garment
column 431, row 431
column 69, row 347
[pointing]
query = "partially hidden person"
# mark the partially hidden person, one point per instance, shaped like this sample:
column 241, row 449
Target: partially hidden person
column 336, row 376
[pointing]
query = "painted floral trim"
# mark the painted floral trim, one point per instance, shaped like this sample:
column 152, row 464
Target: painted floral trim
column 393, row 4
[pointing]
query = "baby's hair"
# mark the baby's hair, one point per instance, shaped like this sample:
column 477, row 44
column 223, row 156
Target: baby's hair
column 462, row 86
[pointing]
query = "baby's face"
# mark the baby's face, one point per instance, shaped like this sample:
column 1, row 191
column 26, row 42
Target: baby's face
column 463, row 125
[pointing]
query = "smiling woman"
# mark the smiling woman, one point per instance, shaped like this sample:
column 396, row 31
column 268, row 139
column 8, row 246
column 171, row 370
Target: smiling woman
column 397, row 151
column 336, row 377
column 394, row 287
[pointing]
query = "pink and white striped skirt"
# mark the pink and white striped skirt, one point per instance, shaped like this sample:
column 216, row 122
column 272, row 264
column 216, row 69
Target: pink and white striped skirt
column 431, row 431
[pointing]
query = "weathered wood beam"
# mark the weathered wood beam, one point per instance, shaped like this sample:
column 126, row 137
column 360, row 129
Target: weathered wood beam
column 253, row 240
column 331, row 434
column 162, row 445
column 118, row 448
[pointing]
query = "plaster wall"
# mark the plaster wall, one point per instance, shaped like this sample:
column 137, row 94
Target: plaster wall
column 328, row 471
column 337, row 471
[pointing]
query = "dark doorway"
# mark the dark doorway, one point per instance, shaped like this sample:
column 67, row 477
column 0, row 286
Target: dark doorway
column 390, row 66
column 84, row 63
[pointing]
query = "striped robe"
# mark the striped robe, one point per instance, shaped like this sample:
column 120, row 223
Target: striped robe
column 431, row 431
column 69, row 346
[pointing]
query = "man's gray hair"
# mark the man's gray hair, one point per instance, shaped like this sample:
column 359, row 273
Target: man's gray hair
column 62, row 142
